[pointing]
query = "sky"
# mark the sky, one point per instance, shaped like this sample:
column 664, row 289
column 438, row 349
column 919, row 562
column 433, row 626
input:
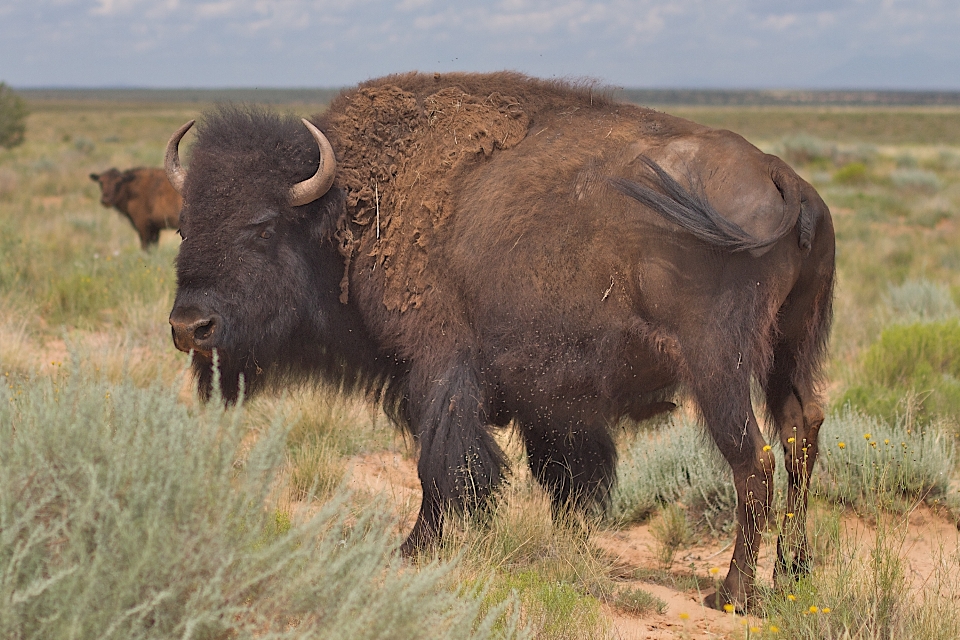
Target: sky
column 735, row 44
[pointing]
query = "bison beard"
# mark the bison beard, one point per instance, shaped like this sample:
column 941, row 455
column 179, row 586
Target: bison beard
column 498, row 250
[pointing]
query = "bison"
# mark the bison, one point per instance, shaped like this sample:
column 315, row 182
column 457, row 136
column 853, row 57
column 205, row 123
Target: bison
column 145, row 197
column 484, row 250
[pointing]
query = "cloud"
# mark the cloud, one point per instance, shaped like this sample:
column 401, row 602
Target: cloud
column 740, row 43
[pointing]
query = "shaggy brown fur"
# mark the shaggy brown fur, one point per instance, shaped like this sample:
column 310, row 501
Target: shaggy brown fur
column 145, row 197
column 497, row 250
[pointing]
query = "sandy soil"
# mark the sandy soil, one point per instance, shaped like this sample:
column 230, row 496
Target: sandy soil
column 923, row 537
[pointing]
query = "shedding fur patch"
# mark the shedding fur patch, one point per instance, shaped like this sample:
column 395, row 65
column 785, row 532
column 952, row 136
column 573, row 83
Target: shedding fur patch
column 401, row 156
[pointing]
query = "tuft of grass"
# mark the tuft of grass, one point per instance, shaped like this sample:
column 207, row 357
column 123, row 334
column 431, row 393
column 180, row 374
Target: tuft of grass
column 671, row 531
column 868, row 463
column 863, row 591
column 557, row 575
column 639, row 602
column 125, row 515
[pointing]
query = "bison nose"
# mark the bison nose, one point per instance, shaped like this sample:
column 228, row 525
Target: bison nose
column 194, row 330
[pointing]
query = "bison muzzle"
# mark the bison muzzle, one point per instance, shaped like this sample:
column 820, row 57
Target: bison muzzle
column 478, row 251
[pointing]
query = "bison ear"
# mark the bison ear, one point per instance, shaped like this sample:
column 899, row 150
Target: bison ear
column 95, row 177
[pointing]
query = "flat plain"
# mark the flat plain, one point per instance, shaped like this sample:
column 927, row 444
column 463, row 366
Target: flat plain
column 84, row 310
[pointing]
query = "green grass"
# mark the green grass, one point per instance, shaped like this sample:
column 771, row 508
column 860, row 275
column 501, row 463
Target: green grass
column 911, row 369
column 74, row 281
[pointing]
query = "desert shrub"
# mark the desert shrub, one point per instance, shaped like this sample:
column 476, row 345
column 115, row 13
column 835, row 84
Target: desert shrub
column 916, row 179
column 13, row 117
column 906, row 160
column 124, row 515
column 676, row 464
column 853, row 173
column 911, row 369
column 639, row 602
column 806, row 149
column 920, row 301
column 866, row 462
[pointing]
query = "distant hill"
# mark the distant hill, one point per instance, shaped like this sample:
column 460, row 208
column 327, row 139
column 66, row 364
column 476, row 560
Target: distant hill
column 685, row 97
column 183, row 96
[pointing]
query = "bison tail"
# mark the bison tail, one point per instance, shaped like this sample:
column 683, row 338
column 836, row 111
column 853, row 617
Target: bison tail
column 690, row 209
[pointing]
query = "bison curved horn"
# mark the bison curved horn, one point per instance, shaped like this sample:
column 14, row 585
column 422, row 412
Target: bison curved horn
column 314, row 187
column 171, row 161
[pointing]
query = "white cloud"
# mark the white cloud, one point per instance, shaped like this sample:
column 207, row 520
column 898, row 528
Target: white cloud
column 632, row 42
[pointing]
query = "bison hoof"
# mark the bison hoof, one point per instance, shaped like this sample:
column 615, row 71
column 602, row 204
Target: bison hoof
column 721, row 601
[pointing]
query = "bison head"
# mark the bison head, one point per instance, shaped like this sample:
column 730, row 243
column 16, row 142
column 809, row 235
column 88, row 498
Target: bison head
column 256, row 273
column 110, row 182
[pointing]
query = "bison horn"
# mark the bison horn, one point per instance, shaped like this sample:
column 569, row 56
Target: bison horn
column 314, row 187
column 171, row 161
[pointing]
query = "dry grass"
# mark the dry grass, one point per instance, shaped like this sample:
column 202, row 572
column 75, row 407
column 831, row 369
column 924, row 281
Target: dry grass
column 73, row 280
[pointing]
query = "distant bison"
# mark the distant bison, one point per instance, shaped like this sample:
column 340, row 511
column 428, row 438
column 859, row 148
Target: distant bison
column 481, row 251
column 145, row 196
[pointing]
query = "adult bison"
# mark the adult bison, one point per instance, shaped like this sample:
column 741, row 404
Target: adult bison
column 485, row 250
column 144, row 196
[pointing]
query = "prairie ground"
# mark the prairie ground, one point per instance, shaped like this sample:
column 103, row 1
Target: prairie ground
column 84, row 310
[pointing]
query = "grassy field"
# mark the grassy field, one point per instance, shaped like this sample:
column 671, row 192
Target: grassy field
column 106, row 457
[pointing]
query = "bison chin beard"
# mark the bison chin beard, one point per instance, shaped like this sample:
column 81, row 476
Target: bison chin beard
column 227, row 379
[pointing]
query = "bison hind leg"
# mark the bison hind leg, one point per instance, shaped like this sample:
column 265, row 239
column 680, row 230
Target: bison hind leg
column 575, row 462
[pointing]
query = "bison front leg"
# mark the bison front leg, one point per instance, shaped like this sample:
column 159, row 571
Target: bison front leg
column 460, row 464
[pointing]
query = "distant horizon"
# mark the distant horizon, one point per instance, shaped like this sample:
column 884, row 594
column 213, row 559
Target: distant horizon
column 888, row 45
column 643, row 95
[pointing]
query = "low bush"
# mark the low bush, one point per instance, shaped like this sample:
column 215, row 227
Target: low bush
column 920, row 180
column 853, row 173
column 13, row 117
column 807, row 149
column 919, row 301
column 911, row 370
column 868, row 463
column 676, row 464
column 124, row 515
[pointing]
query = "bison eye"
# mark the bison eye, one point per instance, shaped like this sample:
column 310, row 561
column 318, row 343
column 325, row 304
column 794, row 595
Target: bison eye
column 266, row 234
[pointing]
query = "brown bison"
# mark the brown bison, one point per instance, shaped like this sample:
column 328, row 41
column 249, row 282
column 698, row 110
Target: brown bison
column 145, row 197
column 480, row 251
